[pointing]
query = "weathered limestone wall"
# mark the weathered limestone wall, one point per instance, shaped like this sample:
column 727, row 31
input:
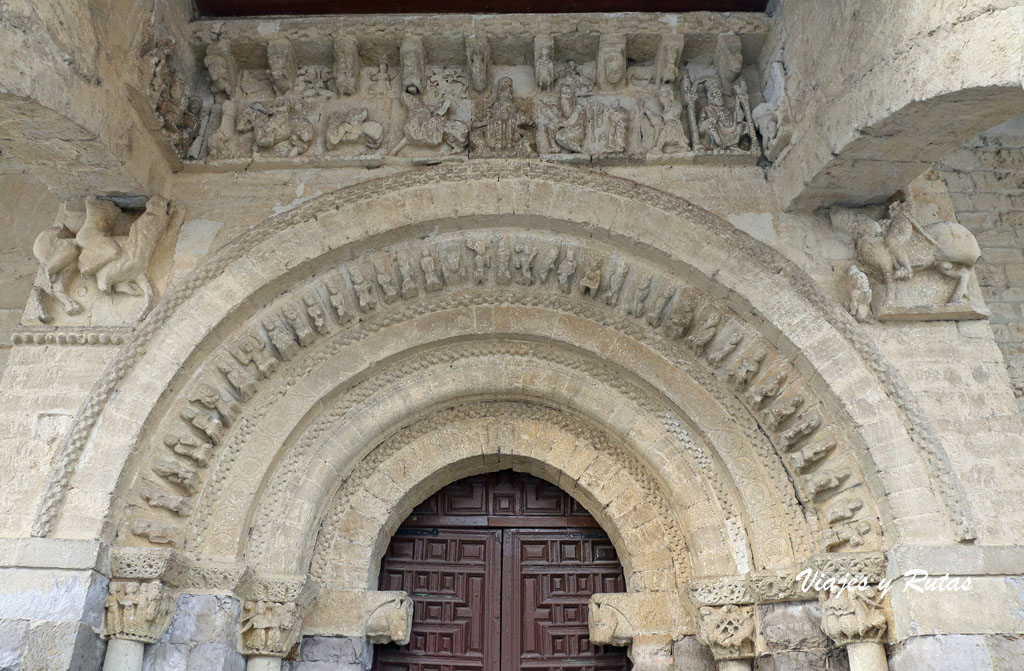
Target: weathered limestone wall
column 880, row 90
column 986, row 183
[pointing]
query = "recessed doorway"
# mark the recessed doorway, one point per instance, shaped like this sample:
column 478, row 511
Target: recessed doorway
column 500, row 568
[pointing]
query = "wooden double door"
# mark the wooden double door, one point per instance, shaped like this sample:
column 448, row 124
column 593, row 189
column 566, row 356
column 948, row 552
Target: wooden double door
column 500, row 568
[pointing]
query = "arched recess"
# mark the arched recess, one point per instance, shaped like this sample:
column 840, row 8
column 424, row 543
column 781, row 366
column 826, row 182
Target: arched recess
column 713, row 328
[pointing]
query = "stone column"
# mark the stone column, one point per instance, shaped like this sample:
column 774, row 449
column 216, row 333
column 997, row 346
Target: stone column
column 261, row 663
column 137, row 612
column 855, row 619
column 729, row 633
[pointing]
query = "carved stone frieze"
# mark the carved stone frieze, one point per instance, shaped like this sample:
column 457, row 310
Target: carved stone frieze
column 178, row 113
column 137, row 611
column 70, row 335
column 272, row 612
column 611, row 99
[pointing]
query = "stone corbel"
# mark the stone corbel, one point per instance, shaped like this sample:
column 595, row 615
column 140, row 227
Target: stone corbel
column 273, row 608
column 413, row 69
column 379, row 617
column 644, row 622
column 855, row 618
column 729, row 632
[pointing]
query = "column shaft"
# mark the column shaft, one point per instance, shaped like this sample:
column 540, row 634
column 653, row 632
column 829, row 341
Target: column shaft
column 123, row 655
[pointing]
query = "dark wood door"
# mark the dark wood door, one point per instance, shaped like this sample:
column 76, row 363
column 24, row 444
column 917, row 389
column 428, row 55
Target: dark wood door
column 500, row 568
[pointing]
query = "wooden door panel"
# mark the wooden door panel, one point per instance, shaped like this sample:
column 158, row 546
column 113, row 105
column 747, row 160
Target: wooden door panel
column 453, row 578
column 547, row 580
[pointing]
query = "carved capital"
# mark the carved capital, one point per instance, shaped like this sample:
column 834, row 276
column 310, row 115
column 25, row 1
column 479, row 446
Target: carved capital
column 272, row 612
column 390, row 622
column 137, row 610
column 163, row 564
column 728, row 631
column 854, row 615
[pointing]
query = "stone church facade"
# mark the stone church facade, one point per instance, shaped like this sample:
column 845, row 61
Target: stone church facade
column 743, row 289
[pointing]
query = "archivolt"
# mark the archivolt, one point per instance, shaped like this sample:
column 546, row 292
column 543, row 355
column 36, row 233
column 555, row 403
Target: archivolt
column 776, row 298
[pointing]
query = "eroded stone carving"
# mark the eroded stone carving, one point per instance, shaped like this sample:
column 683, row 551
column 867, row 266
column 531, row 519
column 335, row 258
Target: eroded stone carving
column 609, row 625
column 728, row 631
column 137, row 611
column 413, row 62
column 478, row 57
column 390, row 622
column 283, row 70
column 223, row 69
column 155, row 532
column 118, row 265
column 177, row 112
column 504, row 129
column 269, row 628
column 892, row 249
column 773, row 116
column 428, row 126
column 669, row 134
column 611, row 62
column 277, row 129
column 854, row 615
column 179, row 505
column 178, row 473
column 352, row 127
column 543, row 62
column 190, row 447
column 208, row 424
column 666, row 62
column 346, row 65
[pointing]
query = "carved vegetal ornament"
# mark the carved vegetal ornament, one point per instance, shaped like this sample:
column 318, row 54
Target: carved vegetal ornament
column 728, row 631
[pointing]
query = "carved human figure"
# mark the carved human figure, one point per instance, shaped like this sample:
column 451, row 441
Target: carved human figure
column 346, row 65
column 303, row 332
column 826, row 481
column 223, row 141
column 574, row 79
column 569, row 131
column 179, row 474
column 854, row 615
column 407, row 270
column 315, row 81
column 223, row 70
column 641, row 291
column 858, row 300
column 384, row 273
column 283, row 69
column 280, row 338
column 451, row 264
column 767, row 389
column 155, row 532
column 212, row 399
column 430, row 126
column 352, row 127
column 680, row 319
column 335, row 286
column 747, row 367
column 430, row 274
column 208, row 424
column 543, row 64
column 612, row 135
column 478, row 57
column 56, row 250
column 611, row 62
column 804, row 426
column 703, row 334
column 727, row 347
column 567, row 270
column 189, row 446
column 412, row 57
column 669, row 134
column 590, row 280
column 503, row 124
column 121, row 266
column 656, row 311
column 382, row 79
column 503, row 261
column 481, row 259
column 250, row 348
column 522, row 261
column 806, row 459
column 616, row 278
column 157, row 68
column 244, row 383
column 773, row 117
column 889, row 250
column 364, row 289
column 843, row 510
column 721, row 126
column 316, row 312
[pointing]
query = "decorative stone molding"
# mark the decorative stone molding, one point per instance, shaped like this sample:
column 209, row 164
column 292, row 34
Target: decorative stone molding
column 729, row 631
column 854, row 615
column 137, row 610
column 163, row 564
column 272, row 612
column 71, row 335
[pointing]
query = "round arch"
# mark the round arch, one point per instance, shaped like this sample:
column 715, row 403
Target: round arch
column 758, row 301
